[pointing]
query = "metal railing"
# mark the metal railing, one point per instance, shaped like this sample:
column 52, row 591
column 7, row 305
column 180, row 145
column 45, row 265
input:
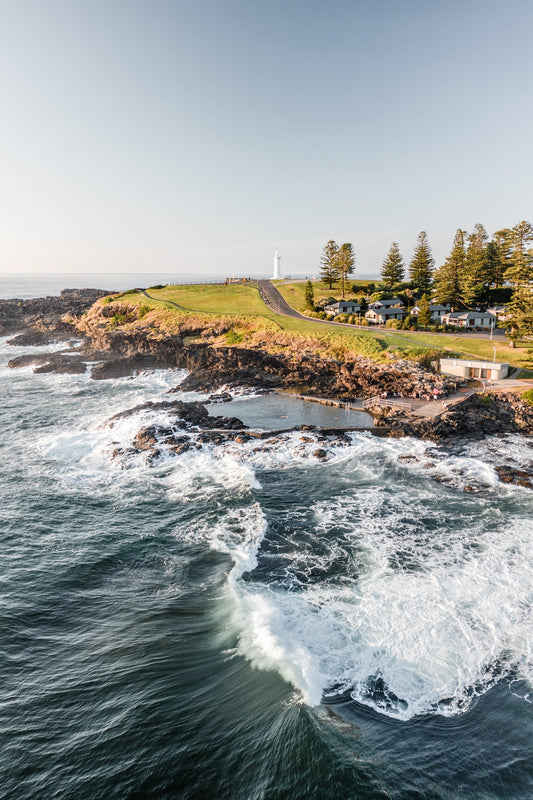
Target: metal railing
column 382, row 401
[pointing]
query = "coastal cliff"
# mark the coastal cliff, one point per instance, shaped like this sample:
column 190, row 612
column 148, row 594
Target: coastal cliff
column 120, row 338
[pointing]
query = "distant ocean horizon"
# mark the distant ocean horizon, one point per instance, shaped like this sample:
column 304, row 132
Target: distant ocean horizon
column 41, row 285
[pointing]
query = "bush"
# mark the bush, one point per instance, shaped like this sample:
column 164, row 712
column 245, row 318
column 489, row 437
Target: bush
column 117, row 319
column 158, row 286
column 232, row 337
column 527, row 397
column 393, row 323
column 106, row 300
column 143, row 311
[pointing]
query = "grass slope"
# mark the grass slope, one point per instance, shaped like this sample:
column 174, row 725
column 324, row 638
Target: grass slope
column 245, row 304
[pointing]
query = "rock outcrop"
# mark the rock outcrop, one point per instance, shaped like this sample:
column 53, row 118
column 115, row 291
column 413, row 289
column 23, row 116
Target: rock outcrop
column 478, row 415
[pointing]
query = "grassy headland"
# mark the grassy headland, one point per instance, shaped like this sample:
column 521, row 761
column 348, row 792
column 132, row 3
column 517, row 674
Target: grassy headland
column 239, row 314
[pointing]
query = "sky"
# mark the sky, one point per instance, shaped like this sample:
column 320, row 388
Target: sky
column 197, row 137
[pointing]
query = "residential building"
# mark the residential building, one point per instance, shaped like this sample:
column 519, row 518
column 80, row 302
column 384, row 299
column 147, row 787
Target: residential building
column 382, row 314
column 343, row 307
column 471, row 320
column 436, row 311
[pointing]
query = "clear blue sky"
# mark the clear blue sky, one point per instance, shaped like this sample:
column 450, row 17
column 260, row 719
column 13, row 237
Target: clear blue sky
column 200, row 136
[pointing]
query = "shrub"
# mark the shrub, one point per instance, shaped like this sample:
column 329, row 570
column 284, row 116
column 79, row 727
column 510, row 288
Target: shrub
column 158, row 286
column 232, row 337
column 527, row 397
column 117, row 319
column 143, row 311
column 106, row 300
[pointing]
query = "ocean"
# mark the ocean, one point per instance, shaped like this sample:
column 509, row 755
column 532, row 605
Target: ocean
column 252, row 621
column 24, row 286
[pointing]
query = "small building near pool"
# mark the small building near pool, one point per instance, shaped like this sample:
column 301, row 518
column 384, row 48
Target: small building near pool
column 482, row 370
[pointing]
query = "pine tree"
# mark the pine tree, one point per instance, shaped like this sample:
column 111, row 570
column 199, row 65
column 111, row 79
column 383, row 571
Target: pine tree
column 329, row 271
column 521, row 312
column 520, row 271
column 494, row 262
column 502, row 240
column 424, row 312
column 392, row 269
column 309, row 296
column 345, row 263
column 422, row 263
column 475, row 278
column 448, row 277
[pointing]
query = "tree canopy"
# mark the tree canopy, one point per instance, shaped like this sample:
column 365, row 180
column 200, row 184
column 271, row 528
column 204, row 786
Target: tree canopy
column 448, row 277
column 329, row 272
column 422, row 263
column 345, row 263
column 392, row 269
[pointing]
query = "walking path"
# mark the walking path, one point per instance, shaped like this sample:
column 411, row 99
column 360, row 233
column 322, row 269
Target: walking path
column 170, row 302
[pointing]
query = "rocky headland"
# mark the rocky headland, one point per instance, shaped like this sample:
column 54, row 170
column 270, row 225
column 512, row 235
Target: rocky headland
column 117, row 340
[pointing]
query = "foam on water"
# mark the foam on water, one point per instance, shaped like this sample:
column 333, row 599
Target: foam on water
column 430, row 600
column 439, row 611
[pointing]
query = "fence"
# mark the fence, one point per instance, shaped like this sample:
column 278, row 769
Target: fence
column 382, row 401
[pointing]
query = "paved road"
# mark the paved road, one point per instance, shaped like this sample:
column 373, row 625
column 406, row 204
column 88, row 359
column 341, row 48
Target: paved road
column 275, row 300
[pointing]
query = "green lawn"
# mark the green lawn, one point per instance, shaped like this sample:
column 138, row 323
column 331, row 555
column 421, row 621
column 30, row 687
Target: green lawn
column 406, row 340
column 294, row 293
column 213, row 298
column 245, row 301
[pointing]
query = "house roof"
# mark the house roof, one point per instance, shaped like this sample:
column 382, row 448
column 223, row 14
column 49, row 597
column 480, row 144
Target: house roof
column 394, row 301
column 469, row 314
column 347, row 303
column 434, row 307
column 387, row 312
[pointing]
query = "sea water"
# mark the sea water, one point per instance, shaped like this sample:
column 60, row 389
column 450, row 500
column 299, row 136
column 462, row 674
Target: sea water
column 252, row 621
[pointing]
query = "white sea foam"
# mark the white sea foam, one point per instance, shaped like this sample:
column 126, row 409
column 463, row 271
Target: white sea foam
column 434, row 604
column 436, row 616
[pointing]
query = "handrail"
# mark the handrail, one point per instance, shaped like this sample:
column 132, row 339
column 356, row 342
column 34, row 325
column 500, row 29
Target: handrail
column 383, row 401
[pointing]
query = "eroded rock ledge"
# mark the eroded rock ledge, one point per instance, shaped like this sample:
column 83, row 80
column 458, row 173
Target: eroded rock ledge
column 478, row 415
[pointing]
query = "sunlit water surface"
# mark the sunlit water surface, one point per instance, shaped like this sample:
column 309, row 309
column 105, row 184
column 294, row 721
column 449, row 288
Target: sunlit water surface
column 250, row 621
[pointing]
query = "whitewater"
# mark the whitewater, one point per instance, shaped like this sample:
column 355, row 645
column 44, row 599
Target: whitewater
column 250, row 620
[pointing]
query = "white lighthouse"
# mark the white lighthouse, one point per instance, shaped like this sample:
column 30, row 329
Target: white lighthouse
column 277, row 266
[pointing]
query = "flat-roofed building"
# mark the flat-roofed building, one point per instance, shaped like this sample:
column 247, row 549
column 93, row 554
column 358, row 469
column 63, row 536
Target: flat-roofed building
column 461, row 368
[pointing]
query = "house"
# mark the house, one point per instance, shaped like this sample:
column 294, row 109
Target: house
column 461, row 368
column 394, row 301
column 471, row 320
column 436, row 311
column 382, row 314
column 343, row 307
column 500, row 312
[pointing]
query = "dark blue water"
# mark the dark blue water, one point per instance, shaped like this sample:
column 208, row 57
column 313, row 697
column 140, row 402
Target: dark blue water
column 250, row 621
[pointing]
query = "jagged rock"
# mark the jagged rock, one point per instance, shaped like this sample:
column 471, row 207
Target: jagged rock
column 50, row 362
column 321, row 454
column 519, row 477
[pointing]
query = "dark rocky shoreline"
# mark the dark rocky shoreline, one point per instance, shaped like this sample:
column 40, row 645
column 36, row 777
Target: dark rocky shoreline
column 116, row 353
